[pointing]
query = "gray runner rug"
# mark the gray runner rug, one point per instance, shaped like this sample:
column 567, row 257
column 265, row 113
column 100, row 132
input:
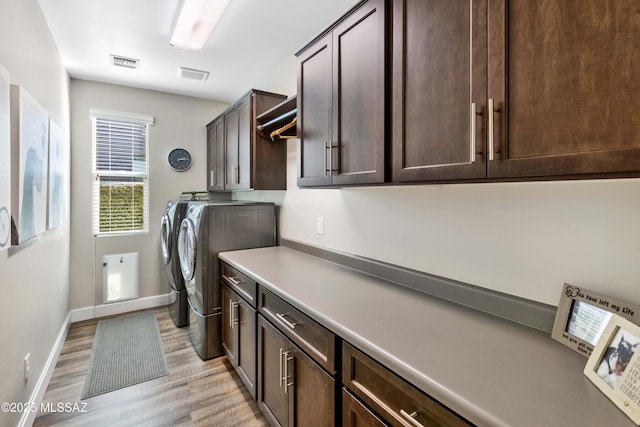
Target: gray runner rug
column 127, row 350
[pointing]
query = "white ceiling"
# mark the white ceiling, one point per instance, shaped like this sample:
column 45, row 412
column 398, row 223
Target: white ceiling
column 250, row 41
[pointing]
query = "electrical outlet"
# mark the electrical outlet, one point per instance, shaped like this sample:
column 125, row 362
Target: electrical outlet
column 320, row 225
column 27, row 367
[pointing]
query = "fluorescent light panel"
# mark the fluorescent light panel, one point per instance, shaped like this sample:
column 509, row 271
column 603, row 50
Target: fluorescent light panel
column 196, row 22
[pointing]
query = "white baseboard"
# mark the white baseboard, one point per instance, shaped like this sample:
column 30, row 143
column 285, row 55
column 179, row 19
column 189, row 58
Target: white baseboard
column 43, row 382
column 103, row 310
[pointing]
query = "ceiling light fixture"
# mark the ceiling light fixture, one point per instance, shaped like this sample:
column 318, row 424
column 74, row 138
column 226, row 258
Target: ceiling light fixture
column 196, row 22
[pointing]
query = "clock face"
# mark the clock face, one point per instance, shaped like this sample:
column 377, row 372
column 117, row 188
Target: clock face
column 179, row 159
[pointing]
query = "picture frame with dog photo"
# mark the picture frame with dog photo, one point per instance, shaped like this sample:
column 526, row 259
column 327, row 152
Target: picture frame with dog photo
column 614, row 365
column 583, row 315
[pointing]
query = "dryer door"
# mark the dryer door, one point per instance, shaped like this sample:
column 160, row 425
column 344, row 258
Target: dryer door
column 187, row 242
column 166, row 238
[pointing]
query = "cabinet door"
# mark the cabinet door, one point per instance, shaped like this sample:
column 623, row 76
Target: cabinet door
column 563, row 77
column 439, row 89
column 231, row 138
column 229, row 334
column 243, row 172
column 215, row 149
column 246, row 344
column 211, row 157
column 311, row 392
column 272, row 350
column 315, row 114
column 357, row 145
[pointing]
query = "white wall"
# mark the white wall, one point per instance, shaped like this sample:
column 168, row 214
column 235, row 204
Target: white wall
column 34, row 278
column 282, row 78
column 525, row 239
column 179, row 122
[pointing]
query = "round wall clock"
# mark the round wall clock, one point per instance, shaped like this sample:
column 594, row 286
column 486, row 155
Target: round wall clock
column 179, row 159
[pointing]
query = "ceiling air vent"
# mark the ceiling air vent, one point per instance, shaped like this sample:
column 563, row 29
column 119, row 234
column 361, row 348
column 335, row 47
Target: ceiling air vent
column 121, row 61
column 190, row 73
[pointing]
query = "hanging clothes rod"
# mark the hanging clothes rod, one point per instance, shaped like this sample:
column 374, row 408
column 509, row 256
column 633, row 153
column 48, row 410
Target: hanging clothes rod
column 280, row 119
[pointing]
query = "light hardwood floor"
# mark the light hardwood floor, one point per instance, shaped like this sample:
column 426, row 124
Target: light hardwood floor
column 195, row 393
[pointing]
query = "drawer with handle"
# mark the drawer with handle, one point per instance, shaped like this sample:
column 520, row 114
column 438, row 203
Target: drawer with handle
column 317, row 341
column 239, row 282
column 355, row 414
column 392, row 398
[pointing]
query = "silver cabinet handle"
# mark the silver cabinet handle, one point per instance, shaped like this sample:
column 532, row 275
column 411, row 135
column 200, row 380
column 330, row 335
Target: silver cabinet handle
column 232, row 315
column 212, row 178
column 411, row 417
column 474, row 110
column 287, row 384
column 282, row 316
column 234, row 306
column 281, row 359
column 332, row 146
column 330, row 157
column 235, row 280
column 490, row 131
column 235, row 174
column 492, row 110
column 326, row 150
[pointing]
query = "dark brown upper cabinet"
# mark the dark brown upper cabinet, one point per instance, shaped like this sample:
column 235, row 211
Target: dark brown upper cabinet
column 514, row 90
column 215, row 155
column 238, row 156
column 342, row 101
column 439, row 90
column 563, row 81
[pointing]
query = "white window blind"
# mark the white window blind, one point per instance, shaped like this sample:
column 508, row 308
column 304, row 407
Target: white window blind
column 120, row 172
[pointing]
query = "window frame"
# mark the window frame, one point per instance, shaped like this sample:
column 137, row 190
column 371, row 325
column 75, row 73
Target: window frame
column 134, row 174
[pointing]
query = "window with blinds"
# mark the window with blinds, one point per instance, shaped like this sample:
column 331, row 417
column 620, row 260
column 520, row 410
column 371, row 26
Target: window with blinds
column 120, row 169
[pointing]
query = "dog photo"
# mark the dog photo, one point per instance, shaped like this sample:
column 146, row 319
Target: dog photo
column 617, row 357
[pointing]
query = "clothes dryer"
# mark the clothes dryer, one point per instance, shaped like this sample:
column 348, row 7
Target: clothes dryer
column 207, row 229
column 169, row 228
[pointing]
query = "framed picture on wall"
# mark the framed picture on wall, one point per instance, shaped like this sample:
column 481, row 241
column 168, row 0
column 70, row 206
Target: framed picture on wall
column 30, row 132
column 583, row 315
column 614, row 365
column 5, row 160
column 57, row 164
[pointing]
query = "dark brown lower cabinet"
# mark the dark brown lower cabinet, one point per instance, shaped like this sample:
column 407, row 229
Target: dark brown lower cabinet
column 293, row 390
column 355, row 414
column 239, row 336
column 394, row 400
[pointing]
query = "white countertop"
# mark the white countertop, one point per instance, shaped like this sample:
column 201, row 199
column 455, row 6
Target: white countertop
column 488, row 370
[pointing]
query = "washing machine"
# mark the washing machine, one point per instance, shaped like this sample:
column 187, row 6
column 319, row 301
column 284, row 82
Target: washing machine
column 207, row 229
column 169, row 228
